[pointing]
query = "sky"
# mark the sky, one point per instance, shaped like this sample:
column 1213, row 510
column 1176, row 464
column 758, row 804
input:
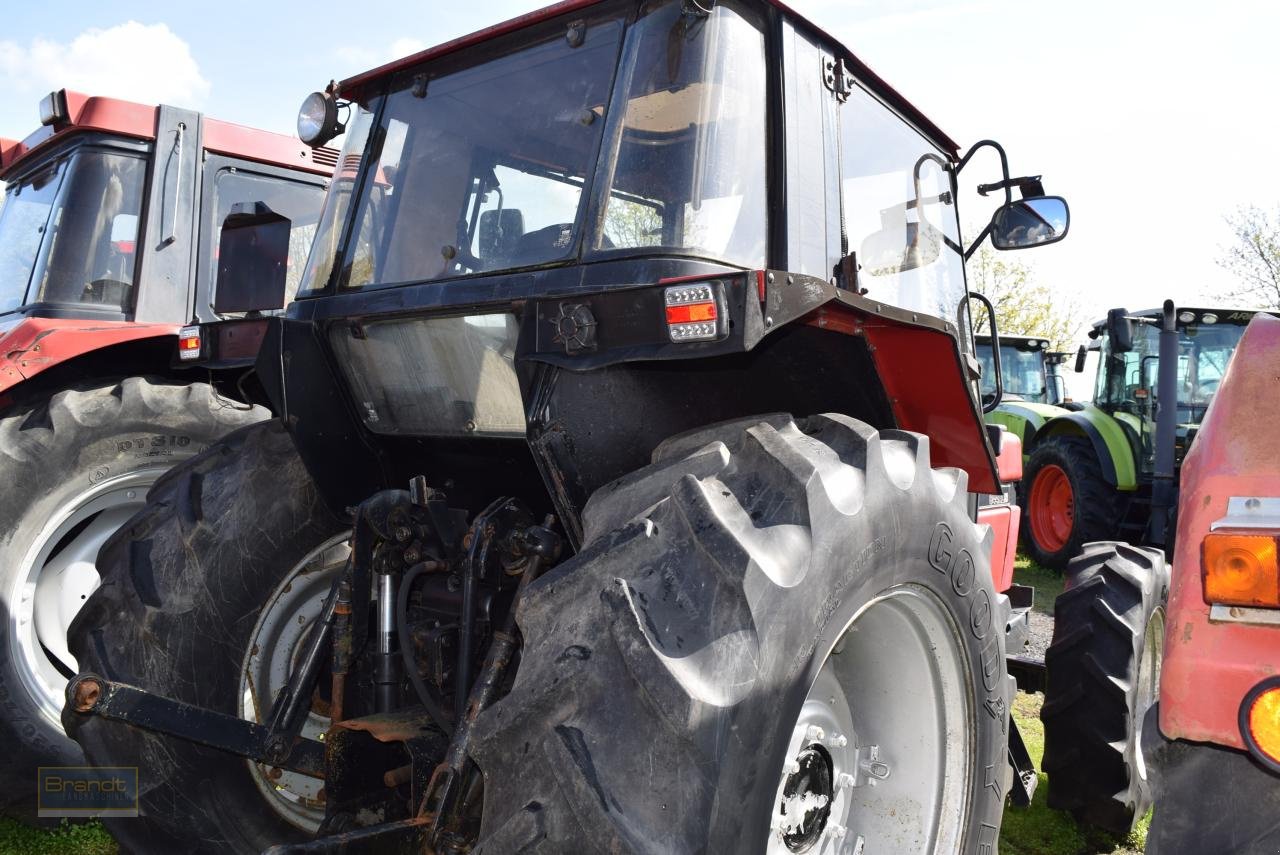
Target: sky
column 1154, row 119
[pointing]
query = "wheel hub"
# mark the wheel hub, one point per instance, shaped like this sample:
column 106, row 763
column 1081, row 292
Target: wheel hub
column 807, row 795
column 878, row 757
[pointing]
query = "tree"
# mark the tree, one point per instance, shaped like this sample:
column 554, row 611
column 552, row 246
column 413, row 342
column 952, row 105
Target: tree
column 1023, row 305
column 1254, row 257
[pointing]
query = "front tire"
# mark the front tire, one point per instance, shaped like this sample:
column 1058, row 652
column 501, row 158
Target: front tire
column 183, row 611
column 1066, row 501
column 73, row 467
column 769, row 607
column 1103, row 675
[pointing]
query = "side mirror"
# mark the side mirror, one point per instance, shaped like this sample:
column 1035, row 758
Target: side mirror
column 499, row 233
column 1038, row 221
column 1120, row 330
column 899, row 247
column 253, row 260
column 1081, row 355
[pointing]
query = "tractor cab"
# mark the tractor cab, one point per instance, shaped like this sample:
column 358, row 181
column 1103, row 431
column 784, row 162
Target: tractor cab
column 1128, row 379
column 1025, row 369
column 112, row 217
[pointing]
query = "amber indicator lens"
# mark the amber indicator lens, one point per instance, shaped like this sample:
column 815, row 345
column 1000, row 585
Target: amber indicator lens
column 1240, row 570
column 1260, row 721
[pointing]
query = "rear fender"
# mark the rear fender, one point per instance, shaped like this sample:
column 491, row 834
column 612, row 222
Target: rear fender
column 36, row 345
column 1107, row 438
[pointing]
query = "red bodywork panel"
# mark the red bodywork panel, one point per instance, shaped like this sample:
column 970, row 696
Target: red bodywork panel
column 138, row 121
column 1004, row 520
column 38, row 344
column 352, row 87
column 1210, row 666
column 924, row 379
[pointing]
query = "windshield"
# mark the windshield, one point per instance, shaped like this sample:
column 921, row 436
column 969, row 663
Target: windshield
column 688, row 151
column 69, row 233
column 1022, row 372
column 481, row 168
column 1128, row 383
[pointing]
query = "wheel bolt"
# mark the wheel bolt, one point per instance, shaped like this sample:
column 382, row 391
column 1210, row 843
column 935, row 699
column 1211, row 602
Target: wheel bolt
column 838, row 831
column 815, row 733
column 838, row 740
column 845, row 781
column 792, row 767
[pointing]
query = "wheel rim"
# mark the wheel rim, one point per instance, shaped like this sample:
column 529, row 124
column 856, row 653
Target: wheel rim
column 1053, row 509
column 283, row 627
column 57, row 574
column 1148, row 683
column 879, row 756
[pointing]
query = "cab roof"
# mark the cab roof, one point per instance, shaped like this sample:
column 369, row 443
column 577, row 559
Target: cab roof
column 354, row 87
column 76, row 113
column 1226, row 315
column 1015, row 339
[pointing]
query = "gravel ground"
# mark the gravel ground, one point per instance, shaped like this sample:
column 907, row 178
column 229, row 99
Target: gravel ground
column 1041, row 626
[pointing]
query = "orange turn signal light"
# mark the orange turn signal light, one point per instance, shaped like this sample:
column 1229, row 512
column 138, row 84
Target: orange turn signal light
column 1240, row 570
column 1260, row 722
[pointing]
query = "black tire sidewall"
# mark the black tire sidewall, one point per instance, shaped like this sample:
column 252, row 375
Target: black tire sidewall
column 49, row 465
column 248, row 518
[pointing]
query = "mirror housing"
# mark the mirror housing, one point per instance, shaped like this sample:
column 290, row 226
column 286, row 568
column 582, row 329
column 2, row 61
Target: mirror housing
column 253, row 260
column 1081, row 355
column 1030, row 222
column 1120, row 330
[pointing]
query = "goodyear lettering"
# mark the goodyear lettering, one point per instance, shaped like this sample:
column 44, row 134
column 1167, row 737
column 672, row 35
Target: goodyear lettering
column 940, row 548
column 980, row 615
column 962, row 574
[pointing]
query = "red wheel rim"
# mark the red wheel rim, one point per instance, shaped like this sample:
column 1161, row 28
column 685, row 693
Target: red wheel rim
column 1053, row 508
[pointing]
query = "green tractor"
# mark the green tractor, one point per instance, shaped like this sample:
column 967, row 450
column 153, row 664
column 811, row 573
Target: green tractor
column 1026, row 374
column 1108, row 470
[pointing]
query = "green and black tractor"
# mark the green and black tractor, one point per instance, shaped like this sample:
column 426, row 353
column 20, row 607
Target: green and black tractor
column 1108, row 469
column 1027, row 377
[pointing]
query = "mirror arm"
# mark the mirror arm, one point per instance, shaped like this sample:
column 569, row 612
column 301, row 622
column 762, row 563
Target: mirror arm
column 995, row 351
column 1004, row 168
column 982, row 235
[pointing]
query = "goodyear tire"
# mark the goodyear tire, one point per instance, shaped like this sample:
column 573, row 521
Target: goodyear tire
column 731, row 658
column 1066, row 501
column 184, row 587
column 73, row 467
column 1103, row 675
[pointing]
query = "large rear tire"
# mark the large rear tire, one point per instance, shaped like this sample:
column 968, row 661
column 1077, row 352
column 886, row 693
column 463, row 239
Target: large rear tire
column 185, row 611
column 760, row 621
column 73, row 467
column 1103, row 675
column 1066, row 501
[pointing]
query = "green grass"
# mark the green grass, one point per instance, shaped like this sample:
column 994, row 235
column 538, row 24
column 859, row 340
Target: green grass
column 84, row 838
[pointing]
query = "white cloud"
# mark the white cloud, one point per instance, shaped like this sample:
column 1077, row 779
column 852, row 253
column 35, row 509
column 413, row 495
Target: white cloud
column 140, row 62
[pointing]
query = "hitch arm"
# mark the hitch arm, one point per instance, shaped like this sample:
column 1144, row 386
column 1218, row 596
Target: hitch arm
column 92, row 695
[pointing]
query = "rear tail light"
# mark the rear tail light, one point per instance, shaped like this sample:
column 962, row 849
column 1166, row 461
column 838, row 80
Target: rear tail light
column 693, row 312
column 1260, row 722
column 1240, row 570
column 189, row 343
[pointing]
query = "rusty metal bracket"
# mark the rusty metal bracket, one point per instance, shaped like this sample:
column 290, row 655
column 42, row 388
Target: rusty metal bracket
column 90, row 694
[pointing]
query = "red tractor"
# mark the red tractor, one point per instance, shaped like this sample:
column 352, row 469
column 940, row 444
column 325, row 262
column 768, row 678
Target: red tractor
column 630, row 490
column 1212, row 743
column 109, row 244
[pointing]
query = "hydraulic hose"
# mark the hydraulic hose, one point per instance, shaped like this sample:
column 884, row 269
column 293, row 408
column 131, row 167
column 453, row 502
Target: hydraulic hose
column 433, row 704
